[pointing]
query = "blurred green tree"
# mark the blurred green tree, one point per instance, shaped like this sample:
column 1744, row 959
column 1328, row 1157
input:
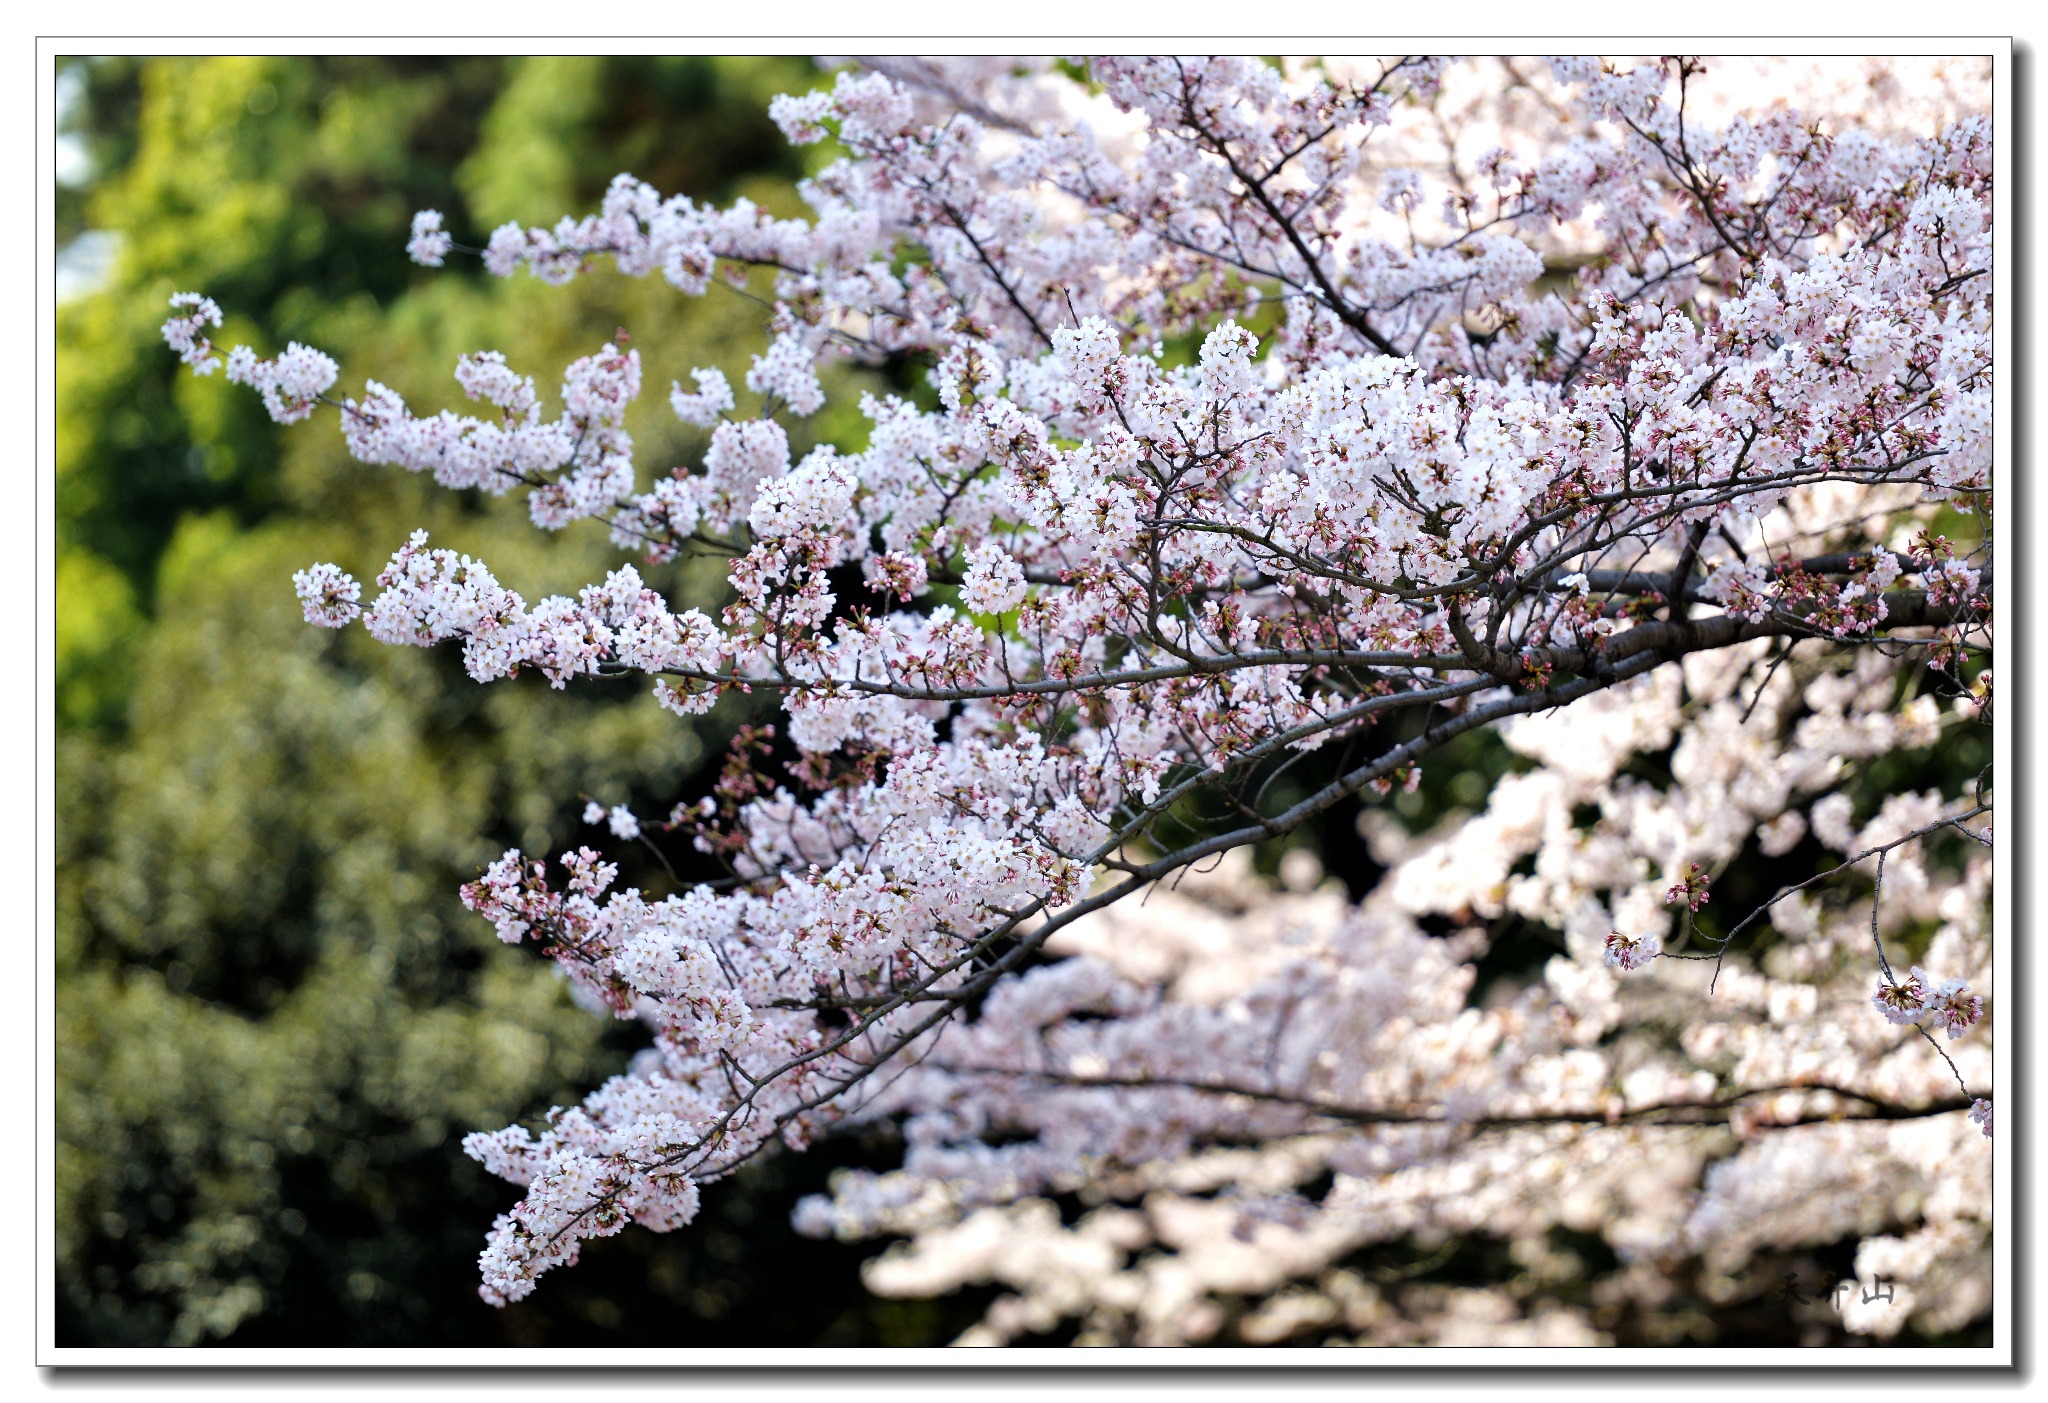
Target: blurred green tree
column 275, row 1021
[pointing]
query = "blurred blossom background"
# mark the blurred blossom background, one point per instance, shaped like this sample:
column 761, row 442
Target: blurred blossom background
column 275, row 1020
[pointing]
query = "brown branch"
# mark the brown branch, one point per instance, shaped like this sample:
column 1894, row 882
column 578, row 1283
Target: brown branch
column 1716, row 1112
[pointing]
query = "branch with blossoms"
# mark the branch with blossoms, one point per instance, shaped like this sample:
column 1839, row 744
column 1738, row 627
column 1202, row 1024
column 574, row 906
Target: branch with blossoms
column 1364, row 533
column 1947, row 1003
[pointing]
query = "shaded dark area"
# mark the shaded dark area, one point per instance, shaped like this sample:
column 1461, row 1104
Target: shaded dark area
column 394, row 1264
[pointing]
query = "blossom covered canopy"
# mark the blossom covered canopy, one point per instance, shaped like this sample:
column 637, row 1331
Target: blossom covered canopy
column 1258, row 433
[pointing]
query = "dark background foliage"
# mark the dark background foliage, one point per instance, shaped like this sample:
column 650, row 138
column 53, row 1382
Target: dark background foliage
column 275, row 1020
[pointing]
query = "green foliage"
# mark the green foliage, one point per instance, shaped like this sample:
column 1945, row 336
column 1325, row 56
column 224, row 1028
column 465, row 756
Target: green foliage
column 274, row 1019
column 284, row 187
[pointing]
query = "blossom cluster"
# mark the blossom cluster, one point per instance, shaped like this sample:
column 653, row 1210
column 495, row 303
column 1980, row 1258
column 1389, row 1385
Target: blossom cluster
column 291, row 384
column 430, row 243
column 185, row 332
column 578, row 465
column 1369, row 1093
column 1947, row 1003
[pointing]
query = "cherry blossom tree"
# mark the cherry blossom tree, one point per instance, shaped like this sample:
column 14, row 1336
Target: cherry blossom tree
column 1289, row 419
